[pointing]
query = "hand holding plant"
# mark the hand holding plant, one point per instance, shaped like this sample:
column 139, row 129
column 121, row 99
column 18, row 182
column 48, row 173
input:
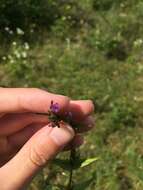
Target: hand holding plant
column 27, row 139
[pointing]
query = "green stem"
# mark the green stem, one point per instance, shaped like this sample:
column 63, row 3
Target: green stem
column 70, row 179
column 72, row 159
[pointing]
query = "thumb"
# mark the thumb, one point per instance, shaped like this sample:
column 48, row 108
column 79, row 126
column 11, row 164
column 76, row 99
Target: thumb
column 43, row 146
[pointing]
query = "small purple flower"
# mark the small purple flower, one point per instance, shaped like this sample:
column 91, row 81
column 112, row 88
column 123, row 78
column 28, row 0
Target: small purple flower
column 54, row 107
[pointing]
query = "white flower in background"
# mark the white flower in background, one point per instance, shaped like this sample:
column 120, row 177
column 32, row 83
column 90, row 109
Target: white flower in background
column 12, row 61
column 4, row 58
column 24, row 54
column 17, row 54
column 19, row 31
column 9, row 57
column 26, row 46
column 7, row 29
column 11, row 32
column 14, row 43
column 138, row 42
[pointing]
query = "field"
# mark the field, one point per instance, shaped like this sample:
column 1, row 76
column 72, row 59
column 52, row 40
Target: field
column 86, row 49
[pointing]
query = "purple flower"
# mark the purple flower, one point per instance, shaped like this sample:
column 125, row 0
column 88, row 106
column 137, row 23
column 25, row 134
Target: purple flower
column 54, row 107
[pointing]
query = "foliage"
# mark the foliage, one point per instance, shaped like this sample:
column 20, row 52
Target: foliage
column 22, row 13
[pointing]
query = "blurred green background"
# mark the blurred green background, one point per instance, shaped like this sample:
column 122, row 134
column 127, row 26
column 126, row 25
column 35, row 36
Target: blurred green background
column 85, row 49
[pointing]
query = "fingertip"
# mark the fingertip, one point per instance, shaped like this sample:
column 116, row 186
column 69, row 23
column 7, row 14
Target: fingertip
column 91, row 105
column 89, row 122
column 81, row 109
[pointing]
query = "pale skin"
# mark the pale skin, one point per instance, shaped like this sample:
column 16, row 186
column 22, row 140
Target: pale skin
column 27, row 143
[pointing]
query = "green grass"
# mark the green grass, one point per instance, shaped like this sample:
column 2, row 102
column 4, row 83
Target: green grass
column 102, row 61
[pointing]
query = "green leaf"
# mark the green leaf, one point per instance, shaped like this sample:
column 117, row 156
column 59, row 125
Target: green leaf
column 88, row 161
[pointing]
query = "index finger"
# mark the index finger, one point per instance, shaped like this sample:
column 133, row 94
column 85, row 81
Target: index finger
column 29, row 100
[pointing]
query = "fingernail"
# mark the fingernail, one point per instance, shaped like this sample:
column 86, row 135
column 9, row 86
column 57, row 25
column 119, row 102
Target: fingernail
column 92, row 106
column 63, row 135
column 89, row 121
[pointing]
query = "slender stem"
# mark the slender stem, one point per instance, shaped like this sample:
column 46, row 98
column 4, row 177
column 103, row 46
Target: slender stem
column 72, row 159
column 71, row 173
column 70, row 180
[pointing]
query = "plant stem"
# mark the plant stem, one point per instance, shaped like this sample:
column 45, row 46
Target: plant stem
column 70, row 179
column 72, row 159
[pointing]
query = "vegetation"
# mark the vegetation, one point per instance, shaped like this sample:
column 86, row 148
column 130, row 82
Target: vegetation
column 85, row 49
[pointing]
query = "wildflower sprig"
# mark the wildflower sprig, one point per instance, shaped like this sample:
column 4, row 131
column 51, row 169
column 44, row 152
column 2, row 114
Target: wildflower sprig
column 58, row 121
column 74, row 159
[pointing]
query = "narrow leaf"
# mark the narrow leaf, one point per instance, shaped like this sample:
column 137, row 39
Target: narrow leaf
column 88, row 162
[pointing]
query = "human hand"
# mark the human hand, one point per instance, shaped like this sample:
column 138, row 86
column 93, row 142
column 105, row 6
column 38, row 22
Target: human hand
column 26, row 140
